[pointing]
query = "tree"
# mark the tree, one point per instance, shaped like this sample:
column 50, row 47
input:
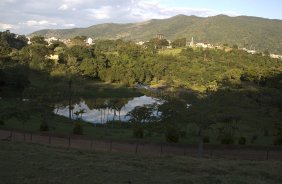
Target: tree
column 158, row 43
column 79, row 112
column 78, row 41
column 89, row 68
column 79, row 53
column 203, row 113
column 140, row 114
column 55, row 44
column 181, row 42
column 138, row 117
column 266, row 53
column 78, row 128
column 22, row 114
column 131, row 50
column 4, row 49
column 38, row 40
column 235, row 47
column 13, row 82
column 12, row 40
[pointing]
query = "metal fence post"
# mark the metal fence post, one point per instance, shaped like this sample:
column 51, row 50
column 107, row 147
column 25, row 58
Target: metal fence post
column 91, row 144
column 111, row 144
column 69, row 142
column 136, row 148
column 49, row 138
column 11, row 135
column 211, row 152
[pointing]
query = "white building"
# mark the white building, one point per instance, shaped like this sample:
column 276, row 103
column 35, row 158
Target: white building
column 275, row 56
column 89, row 41
column 140, row 43
column 49, row 40
column 204, row 45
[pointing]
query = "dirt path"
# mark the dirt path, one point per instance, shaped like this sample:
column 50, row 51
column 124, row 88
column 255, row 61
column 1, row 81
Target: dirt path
column 79, row 142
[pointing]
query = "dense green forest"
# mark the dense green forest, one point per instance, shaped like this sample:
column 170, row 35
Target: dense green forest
column 216, row 95
column 249, row 32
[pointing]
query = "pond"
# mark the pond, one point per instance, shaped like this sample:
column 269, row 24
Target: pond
column 106, row 110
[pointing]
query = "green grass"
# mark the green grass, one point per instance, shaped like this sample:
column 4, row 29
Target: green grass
column 30, row 163
column 62, row 125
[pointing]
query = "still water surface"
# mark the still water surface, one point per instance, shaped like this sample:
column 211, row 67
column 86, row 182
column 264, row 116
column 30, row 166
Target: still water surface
column 105, row 114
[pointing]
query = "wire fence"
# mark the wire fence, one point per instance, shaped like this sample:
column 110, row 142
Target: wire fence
column 137, row 147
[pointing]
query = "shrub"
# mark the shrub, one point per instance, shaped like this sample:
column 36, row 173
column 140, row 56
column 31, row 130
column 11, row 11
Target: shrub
column 254, row 138
column 78, row 129
column 2, row 122
column 44, row 126
column 149, row 133
column 182, row 133
column 242, row 141
column 138, row 132
column 278, row 135
column 278, row 141
column 206, row 139
column 227, row 139
column 266, row 132
column 172, row 135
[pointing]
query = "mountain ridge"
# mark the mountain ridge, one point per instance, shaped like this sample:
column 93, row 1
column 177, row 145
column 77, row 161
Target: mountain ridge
column 246, row 31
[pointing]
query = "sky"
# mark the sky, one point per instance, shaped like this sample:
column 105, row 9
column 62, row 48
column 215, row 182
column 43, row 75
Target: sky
column 27, row 16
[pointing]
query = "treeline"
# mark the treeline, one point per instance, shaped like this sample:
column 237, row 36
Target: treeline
column 125, row 62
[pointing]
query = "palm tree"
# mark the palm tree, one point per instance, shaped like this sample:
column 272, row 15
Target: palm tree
column 81, row 111
column 77, row 114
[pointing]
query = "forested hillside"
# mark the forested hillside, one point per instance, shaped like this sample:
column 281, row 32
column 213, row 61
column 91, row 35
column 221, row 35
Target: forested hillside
column 249, row 32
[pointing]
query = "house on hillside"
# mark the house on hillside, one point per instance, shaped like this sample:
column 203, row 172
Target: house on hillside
column 169, row 44
column 140, row 43
column 66, row 41
column 49, row 40
column 89, row 41
column 160, row 36
column 204, row 45
column 275, row 56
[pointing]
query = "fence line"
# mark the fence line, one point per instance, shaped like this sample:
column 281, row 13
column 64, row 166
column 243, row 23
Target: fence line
column 79, row 142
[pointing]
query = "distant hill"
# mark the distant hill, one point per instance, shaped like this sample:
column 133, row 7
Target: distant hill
column 250, row 32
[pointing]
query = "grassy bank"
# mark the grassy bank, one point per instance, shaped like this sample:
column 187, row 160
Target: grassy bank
column 31, row 163
column 62, row 125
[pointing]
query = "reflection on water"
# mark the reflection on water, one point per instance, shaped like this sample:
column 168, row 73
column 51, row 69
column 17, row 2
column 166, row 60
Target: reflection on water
column 106, row 111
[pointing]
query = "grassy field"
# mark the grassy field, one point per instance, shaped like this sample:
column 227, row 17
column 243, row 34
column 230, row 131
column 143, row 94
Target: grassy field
column 31, row 163
column 170, row 51
column 62, row 125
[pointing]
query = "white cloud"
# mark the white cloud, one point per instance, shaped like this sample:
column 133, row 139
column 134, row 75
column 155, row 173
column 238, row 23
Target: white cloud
column 5, row 26
column 63, row 7
column 69, row 25
column 101, row 13
column 31, row 23
column 6, row 1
